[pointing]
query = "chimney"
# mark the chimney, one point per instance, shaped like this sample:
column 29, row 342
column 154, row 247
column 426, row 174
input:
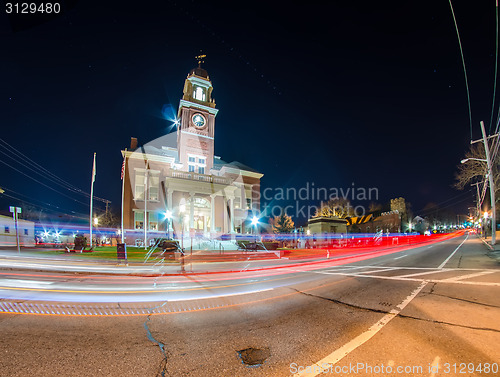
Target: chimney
column 133, row 143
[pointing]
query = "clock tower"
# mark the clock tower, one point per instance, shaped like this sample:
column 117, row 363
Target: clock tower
column 195, row 135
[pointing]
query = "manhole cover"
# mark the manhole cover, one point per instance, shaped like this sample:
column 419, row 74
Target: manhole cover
column 254, row 356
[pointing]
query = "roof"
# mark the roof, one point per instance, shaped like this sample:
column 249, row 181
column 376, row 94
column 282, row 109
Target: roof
column 241, row 166
column 170, row 152
column 198, row 71
column 359, row 220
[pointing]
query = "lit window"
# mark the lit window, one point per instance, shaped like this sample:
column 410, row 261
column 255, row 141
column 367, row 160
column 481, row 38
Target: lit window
column 192, row 159
column 139, row 220
column 201, row 169
column 191, row 168
column 153, row 221
column 139, row 185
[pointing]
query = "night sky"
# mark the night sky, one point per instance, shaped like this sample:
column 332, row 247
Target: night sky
column 325, row 92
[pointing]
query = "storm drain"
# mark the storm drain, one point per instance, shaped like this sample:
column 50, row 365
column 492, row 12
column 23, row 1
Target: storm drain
column 254, row 357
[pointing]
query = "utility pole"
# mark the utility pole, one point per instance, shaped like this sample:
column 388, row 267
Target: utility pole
column 490, row 179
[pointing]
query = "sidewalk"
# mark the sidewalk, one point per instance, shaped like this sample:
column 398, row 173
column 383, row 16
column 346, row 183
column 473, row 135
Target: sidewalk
column 493, row 250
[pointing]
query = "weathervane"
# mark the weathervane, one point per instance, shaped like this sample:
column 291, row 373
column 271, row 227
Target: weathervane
column 200, row 58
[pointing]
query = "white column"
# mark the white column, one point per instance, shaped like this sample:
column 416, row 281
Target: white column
column 225, row 215
column 169, row 208
column 191, row 211
column 231, row 214
column 212, row 213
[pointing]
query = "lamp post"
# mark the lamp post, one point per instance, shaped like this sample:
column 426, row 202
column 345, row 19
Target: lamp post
column 96, row 222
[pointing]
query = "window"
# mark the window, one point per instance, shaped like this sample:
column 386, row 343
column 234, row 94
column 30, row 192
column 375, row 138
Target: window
column 139, row 185
column 201, row 169
column 199, row 93
column 153, row 221
column 139, row 220
column 25, row 232
column 191, row 168
column 7, row 229
column 192, row 159
column 154, row 182
column 249, row 203
column 201, row 161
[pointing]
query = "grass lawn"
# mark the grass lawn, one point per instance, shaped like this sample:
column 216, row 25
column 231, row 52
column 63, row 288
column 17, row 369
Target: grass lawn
column 134, row 254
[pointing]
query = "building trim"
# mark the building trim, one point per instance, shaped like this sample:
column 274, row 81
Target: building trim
column 188, row 104
column 192, row 133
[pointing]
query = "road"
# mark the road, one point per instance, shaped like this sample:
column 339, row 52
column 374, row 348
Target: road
column 418, row 311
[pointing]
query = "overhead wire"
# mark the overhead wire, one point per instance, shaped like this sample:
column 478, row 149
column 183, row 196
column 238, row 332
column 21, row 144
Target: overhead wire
column 463, row 64
column 43, row 171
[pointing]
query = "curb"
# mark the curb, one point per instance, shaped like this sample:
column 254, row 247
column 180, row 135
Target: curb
column 486, row 243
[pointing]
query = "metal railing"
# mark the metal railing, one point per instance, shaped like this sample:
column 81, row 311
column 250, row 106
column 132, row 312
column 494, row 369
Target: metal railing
column 199, row 177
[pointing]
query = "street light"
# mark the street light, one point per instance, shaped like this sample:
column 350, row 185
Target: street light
column 168, row 217
column 255, row 222
column 475, row 159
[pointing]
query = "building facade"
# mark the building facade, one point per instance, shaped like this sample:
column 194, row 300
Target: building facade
column 176, row 185
column 25, row 228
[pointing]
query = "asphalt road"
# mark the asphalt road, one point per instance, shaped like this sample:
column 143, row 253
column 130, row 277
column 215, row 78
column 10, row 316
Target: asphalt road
column 417, row 312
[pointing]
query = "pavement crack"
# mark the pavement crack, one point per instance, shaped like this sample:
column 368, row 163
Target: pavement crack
column 399, row 314
column 464, row 300
column 162, row 371
column 343, row 303
column 448, row 323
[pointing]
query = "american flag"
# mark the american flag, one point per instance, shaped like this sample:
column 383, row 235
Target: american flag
column 123, row 169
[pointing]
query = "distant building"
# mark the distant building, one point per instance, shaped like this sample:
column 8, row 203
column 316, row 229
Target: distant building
column 321, row 225
column 176, row 184
column 25, row 228
column 387, row 222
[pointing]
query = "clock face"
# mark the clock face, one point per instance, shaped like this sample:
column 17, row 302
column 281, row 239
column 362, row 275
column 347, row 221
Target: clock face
column 198, row 120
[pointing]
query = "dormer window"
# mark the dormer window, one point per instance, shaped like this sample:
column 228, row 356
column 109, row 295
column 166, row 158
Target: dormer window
column 199, row 93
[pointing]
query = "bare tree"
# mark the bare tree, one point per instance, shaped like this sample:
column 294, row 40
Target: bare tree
column 474, row 170
column 340, row 208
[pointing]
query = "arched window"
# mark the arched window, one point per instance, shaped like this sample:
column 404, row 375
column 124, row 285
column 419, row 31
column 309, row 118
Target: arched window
column 199, row 93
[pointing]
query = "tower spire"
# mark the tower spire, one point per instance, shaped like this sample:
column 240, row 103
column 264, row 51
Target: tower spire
column 200, row 58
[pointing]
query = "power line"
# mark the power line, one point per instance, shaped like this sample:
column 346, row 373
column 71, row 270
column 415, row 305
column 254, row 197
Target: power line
column 44, row 172
column 465, row 71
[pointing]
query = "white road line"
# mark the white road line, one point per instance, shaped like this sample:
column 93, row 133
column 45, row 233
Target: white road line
column 402, row 256
column 423, row 273
column 379, row 270
column 411, row 279
column 339, row 354
column 469, row 276
column 447, row 259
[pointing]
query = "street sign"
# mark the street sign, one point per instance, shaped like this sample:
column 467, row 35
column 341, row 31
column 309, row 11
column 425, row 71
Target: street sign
column 15, row 211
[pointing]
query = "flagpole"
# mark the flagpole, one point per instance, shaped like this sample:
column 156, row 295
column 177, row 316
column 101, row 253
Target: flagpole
column 91, row 199
column 123, row 188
